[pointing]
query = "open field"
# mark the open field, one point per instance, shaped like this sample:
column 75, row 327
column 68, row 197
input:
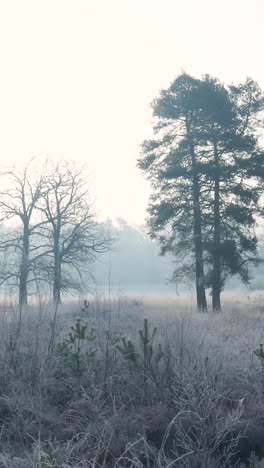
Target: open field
column 190, row 394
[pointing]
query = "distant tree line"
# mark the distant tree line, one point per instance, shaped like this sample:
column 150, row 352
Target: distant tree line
column 49, row 230
column 206, row 168
column 133, row 263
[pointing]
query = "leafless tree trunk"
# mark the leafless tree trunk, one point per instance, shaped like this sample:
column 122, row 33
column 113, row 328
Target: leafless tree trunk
column 70, row 226
column 20, row 193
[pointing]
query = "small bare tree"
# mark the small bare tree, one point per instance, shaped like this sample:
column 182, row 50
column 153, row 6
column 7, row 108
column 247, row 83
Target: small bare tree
column 70, row 227
column 18, row 200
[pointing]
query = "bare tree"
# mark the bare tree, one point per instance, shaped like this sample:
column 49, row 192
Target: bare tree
column 71, row 230
column 21, row 243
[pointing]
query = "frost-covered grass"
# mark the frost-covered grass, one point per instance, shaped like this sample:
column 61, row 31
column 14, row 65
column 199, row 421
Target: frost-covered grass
column 191, row 395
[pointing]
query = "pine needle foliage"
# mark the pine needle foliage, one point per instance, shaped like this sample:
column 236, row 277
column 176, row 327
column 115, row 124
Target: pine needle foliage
column 149, row 355
column 76, row 347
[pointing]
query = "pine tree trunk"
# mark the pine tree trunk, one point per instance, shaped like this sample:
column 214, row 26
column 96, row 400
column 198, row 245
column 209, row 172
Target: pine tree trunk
column 216, row 289
column 199, row 267
column 199, row 263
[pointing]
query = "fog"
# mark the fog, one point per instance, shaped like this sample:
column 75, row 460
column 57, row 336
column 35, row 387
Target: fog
column 135, row 267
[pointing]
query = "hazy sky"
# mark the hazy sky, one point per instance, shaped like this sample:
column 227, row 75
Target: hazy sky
column 77, row 77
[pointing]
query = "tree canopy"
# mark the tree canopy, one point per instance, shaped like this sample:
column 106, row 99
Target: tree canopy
column 205, row 189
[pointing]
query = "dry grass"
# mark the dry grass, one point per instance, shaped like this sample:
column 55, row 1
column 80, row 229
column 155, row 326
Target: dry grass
column 198, row 404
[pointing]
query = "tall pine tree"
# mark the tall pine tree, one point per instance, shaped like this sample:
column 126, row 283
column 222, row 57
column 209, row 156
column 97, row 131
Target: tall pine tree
column 203, row 202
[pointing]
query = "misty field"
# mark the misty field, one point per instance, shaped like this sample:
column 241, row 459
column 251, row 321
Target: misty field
column 132, row 382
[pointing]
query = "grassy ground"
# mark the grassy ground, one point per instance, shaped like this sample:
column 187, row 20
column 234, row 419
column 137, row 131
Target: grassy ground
column 132, row 383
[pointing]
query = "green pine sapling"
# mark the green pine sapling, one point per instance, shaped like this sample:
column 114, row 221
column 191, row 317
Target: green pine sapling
column 76, row 346
column 149, row 355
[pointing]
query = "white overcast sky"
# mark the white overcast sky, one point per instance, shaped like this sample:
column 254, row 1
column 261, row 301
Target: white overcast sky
column 77, row 77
